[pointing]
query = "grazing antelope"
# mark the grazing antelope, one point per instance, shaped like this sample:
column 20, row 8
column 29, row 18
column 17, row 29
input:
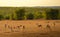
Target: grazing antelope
column 39, row 25
column 19, row 26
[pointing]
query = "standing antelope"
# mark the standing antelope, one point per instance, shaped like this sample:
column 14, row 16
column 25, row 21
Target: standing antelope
column 10, row 28
column 48, row 27
column 5, row 25
column 18, row 27
column 54, row 25
column 23, row 29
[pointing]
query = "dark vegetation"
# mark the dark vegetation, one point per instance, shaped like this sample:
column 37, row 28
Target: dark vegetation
column 29, row 13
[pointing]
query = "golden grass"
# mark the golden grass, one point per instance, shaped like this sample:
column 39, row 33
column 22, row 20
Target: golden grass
column 31, row 28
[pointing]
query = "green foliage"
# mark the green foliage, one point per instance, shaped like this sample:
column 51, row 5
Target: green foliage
column 20, row 14
column 24, row 13
column 12, row 16
column 30, row 16
column 1, row 17
column 38, row 15
column 7, row 17
column 52, row 14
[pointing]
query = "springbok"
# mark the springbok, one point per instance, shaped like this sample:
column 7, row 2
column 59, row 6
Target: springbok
column 39, row 25
column 5, row 26
column 19, row 26
column 48, row 27
column 11, row 28
column 23, row 27
column 54, row 25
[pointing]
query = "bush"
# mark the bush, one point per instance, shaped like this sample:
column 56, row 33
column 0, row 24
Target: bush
column 1, row 17
column 30, row 16
column 52, row 14
column 20, row 14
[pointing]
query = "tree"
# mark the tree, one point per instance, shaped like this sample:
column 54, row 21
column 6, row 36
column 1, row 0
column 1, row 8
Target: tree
column 7, row 17
column 40, row 15
column 12, row 17
column 52, row 14
column 30, row 16
column 1, row 17
column 20, row 14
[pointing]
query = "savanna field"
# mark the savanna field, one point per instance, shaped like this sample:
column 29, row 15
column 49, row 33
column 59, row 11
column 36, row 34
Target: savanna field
column 30, row 28
column 30, row 21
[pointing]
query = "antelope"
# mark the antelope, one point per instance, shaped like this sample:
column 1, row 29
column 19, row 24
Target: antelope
column 23, row 27
column 48, row 27
column 39, row 25
column 5, row 25
column 54, row 24
column 10, row 28
column 19, row 26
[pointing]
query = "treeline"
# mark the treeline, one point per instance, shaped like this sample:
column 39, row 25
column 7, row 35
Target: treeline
column 32, row 14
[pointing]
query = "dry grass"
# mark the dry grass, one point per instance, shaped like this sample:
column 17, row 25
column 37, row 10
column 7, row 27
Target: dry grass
column 30, row 29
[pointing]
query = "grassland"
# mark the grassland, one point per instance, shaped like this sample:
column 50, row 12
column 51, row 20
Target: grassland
column 31, row 28
column 30, row 21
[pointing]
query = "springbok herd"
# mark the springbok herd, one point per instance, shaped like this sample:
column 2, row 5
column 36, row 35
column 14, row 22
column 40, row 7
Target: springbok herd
column 30, row 26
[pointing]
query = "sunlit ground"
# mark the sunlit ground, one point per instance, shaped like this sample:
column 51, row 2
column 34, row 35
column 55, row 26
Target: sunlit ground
column 30, row 28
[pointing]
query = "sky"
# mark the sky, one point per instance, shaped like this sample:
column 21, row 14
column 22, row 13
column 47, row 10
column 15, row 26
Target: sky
column 29, row 3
